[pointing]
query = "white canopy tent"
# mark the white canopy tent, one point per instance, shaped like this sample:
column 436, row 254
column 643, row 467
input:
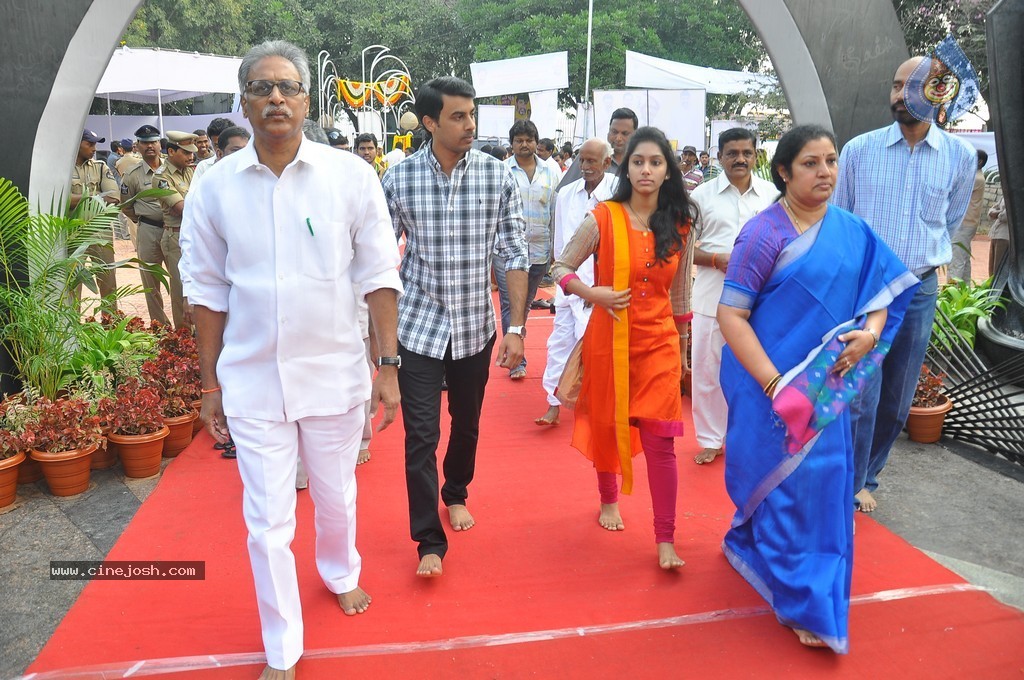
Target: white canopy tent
column 654, row 73
column 156, row 76
column 540, row 75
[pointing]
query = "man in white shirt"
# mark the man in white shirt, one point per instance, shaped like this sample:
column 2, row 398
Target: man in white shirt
column 725, row 204
column 281, row 235
column 572, row 204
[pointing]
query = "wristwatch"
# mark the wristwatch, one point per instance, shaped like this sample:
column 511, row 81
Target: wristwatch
column 518, row 330
column 389, row 361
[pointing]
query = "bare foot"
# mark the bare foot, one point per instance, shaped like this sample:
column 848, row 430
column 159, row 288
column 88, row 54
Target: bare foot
column 550, row 417
column 276, row 674
column 809, row 639
column 610, row 518
column 364, row 456
column 867, row 501
column 354, row 601
column 430, row 566
column 668, row 558
column 460, row 518
column 707, row 456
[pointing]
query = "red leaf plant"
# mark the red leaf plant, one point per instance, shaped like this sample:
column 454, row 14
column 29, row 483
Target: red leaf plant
column 136, row 409
column 65, row 424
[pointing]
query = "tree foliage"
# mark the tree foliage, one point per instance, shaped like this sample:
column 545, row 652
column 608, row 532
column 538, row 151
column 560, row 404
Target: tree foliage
column 442, row 37
column 926, row 22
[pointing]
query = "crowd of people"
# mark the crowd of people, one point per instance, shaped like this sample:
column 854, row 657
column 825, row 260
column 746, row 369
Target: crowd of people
column 810, row 308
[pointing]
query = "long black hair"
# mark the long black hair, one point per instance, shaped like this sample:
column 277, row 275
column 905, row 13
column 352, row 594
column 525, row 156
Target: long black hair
column 670, row 221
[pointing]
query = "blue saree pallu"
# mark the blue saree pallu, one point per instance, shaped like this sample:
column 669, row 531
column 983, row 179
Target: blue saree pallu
column 789, row 462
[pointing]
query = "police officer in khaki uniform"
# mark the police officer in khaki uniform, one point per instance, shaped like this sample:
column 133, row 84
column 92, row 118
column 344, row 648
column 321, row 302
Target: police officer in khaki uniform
column 176, row 175
column 148, row 214
column 91, row 177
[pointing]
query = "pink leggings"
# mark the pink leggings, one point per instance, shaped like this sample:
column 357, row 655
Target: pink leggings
column 662, row 476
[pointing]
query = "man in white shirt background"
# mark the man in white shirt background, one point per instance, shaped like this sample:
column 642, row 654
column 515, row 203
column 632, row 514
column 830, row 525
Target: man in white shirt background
column 281, row 235
column 572, row 203
column 725, row 204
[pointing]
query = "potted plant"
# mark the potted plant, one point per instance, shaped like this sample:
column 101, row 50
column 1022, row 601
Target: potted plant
column 137, row 428
column 15, row 439
column 66, row 432
column 169, row 374
column 929, row 408
column 95, row 389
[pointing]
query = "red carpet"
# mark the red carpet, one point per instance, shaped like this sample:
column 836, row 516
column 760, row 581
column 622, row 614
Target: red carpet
column 535, row 590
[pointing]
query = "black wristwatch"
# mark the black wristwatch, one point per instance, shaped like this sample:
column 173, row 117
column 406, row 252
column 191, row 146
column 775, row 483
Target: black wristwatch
column 389, row 361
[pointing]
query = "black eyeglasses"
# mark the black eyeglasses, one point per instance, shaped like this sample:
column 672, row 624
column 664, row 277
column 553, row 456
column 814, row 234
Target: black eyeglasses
column 263, row 88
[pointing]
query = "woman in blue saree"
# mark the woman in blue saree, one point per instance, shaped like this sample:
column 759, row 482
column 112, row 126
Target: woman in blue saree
column 812, row 299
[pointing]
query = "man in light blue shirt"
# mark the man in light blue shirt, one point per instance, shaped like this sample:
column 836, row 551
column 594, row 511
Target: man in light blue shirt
column 537, row 185
column 911, row 182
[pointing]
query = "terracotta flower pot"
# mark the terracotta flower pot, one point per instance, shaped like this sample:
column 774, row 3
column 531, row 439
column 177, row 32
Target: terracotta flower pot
column 181, row 433
column 9, row 478
column 66, row 472
column 140, row 453
column 924, row 424
column 105, row 455
column 197, row 424
column 30, row 471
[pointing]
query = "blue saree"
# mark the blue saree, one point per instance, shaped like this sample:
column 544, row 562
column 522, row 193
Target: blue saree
column 789, row 462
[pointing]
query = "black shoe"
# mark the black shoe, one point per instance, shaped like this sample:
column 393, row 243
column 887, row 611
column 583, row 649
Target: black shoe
column 221, row 447
column 229, row 453
column 540, row 304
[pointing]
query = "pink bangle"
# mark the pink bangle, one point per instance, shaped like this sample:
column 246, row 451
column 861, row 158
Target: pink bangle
column 683, row 318
column 565, row 282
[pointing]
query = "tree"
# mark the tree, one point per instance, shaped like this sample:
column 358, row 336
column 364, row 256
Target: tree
column 715, row 33
column 211, row 26
column 926, row 22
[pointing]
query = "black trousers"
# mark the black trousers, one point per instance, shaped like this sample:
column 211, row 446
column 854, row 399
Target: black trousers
column 420, row 382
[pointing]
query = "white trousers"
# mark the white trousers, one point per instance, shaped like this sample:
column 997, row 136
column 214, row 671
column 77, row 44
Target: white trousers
column 710, row 414
column 268, row 453
column 571, row 320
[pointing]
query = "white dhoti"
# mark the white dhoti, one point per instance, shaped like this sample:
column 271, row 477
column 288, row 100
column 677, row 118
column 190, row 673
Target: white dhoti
column 571, row 318
column 268, row 453
column 710, row 413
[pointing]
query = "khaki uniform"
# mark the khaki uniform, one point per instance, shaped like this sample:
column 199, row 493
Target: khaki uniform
column 170, row 177
column 93, row 178
column 148, row 234
column 127, row 162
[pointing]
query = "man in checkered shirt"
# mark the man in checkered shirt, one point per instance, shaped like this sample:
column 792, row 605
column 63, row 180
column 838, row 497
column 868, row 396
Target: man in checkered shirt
column 456, row 207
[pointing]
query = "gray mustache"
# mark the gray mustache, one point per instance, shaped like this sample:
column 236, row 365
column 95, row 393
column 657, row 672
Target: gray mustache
column 270, row 109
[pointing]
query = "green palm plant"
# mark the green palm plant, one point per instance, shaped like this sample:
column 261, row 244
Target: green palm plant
column 964, row 303
column 44, row 259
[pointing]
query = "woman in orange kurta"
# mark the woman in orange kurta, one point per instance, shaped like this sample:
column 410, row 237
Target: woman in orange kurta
column 632, row 364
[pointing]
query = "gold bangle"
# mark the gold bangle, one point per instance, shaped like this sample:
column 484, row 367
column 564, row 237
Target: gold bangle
column 772, row 383
column 874, row 336
column 210, row 391
column 713, row 263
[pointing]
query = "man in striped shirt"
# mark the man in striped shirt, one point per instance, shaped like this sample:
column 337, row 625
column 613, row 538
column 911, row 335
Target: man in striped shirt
column 911, row 182
column 456, row 207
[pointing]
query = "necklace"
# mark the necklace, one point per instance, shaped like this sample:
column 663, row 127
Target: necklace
column 642, row 221
column 796, row 220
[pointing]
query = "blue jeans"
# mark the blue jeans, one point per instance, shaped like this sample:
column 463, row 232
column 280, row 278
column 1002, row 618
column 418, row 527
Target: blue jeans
column 537, row 272
column 880, row 412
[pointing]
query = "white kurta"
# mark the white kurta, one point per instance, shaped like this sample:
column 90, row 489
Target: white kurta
column 571, row 313
column 723, row 212
column 287, row 258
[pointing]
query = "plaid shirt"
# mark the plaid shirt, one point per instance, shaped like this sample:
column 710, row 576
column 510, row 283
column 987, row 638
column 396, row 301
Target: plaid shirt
column 538, row 196
column 452, row 227
column 914, row 201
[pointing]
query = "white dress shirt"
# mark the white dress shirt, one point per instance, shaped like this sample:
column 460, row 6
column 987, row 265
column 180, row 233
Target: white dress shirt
column 571, row 205
column 723, row 212
column 285, row 258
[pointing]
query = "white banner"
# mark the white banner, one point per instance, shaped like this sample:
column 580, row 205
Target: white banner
column 522, row 74
column 544, row 113
column 677, row 113
column 493, row 122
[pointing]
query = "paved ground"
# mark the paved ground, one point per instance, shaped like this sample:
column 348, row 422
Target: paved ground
column 961, row 505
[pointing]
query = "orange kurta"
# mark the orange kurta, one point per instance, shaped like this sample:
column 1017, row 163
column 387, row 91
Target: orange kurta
column 631, row 367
